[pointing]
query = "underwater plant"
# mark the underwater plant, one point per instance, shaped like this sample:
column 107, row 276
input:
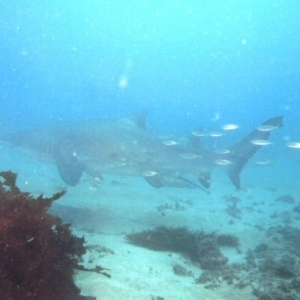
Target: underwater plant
column 228, row 240
column 38, row 254
column 199, row 246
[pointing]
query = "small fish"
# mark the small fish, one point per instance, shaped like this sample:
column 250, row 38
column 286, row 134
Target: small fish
column 92, row 188
column 216, row 134
column 265, row 128
column 263, row 162
column 117, row 164
column 222, row 151
column 189, row 155
column 223, row 162
column 261, row 142
column 98, row 179
column 123, row 159
column 149, row 173
column 230, row 127
column 198, row 133
column 169, row 143
column 294, row 145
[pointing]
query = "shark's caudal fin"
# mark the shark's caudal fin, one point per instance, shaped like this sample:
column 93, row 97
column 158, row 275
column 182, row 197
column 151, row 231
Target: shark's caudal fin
column 242, row 151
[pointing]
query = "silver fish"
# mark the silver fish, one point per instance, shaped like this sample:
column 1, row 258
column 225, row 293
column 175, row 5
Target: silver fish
column 170, row 143
column 294, row 145
column 223, row 162
column 216, row 134
column 198, row 133
column 149, row 173
column 258, row 142
column 266, row 127
column 230, row 127
column 189, row 156
column 222, row 151
column 263, row 161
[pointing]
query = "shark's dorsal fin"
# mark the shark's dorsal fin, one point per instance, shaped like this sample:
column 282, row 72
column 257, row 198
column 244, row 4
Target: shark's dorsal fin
column 140, row 119
column 136, row 121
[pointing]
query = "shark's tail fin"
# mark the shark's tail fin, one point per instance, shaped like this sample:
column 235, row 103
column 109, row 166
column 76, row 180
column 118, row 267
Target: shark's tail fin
column 245, row 149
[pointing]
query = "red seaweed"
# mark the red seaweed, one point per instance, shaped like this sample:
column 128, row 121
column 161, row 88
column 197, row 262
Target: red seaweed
column 38, row 253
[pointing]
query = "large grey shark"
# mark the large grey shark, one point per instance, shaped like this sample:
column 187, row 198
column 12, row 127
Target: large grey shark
column 126, row 147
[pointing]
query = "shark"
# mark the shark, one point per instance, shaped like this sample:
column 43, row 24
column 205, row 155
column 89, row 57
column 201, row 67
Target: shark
column 127, row 148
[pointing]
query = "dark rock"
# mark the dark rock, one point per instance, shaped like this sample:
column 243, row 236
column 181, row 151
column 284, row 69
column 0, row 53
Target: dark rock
column 182, row 271
column 228, row 240
column 286, row 199
column 295, row 284
column 285, row 272
column 297, row 209
column 261, row 247
column 209, row 253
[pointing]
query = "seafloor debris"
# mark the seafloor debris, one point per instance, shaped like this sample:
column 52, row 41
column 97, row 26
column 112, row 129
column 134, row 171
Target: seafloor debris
column 271, row 269
column 170, row 206
column 233, row 199
column 286, row 199
column 182, row 271
column 233, row 210
column 157, row 298
column 38, row 253
column 228, row 240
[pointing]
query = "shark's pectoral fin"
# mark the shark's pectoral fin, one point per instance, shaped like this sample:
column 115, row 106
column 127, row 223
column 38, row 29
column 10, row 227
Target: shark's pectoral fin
column 69, row 167
column 245, row 149
column 201, row 183
column 204, row 179
column 154, row 180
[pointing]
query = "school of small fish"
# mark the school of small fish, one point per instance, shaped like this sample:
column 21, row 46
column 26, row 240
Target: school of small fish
column 215, row 134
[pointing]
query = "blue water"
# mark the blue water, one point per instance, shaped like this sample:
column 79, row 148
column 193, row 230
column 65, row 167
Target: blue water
column 190, row 63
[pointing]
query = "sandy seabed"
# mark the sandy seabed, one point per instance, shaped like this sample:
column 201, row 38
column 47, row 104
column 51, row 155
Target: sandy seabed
column 104, row 212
